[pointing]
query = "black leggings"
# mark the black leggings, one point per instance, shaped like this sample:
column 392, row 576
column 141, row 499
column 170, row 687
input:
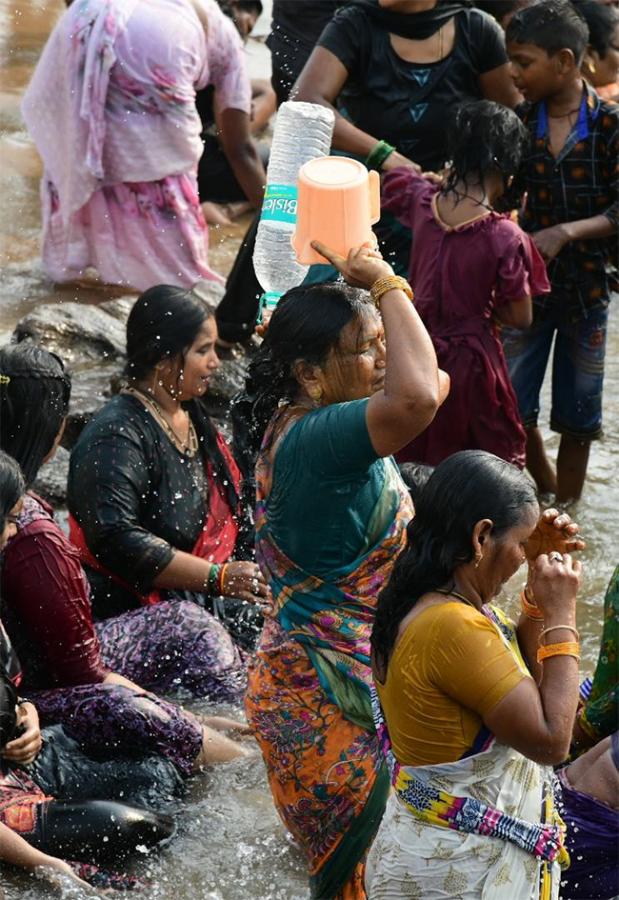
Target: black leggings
column 96, row 830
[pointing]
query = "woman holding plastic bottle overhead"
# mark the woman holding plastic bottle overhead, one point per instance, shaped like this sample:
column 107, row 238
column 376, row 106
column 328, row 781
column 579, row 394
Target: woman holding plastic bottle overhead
column 339, row 384
column 111, row 109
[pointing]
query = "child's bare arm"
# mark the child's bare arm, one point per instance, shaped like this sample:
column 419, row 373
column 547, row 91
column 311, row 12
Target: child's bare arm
column 517, row 314
column 550, row 241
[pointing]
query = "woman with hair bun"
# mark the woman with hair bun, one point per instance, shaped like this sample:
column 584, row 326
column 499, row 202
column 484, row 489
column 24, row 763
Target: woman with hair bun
column 154, row 492
column 339, row 384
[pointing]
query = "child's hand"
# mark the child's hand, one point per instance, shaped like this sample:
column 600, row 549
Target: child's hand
column 550, row 241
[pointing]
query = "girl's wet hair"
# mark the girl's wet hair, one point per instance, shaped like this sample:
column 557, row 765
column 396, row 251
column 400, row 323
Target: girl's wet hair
column 8, row 711
column 465, row 488
column 601, row 21
column 305, row 327
column 35, row 389
column 12, row 486
column 485, row 137
column 163, row 324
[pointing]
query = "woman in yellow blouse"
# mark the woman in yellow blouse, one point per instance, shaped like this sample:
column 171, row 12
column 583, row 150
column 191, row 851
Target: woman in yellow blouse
column 471, row 710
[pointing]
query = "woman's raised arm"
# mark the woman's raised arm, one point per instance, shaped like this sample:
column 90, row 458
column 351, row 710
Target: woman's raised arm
column 414, row 386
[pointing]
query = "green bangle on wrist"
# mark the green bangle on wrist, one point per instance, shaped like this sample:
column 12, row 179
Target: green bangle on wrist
column 378, row 154
column 213, row 578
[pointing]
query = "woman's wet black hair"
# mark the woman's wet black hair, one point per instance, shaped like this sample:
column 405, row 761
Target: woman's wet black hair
column 601, row 21
column 12, row 486
column 305, row 326
column 35, row 389
column 485, row 137
column 8, row 711
column 163, row 324
column 465, row 488
column 552, row 25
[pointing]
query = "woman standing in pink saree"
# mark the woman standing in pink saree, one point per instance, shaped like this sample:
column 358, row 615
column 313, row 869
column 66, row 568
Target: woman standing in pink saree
column 111, row 109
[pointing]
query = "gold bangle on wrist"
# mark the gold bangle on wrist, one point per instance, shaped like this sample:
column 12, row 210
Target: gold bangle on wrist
column 529, row 608
column 390, row 283
column 564, row 648
column 557, row 628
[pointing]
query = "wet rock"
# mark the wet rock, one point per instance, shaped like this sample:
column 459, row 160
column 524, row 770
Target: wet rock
column 51, row 481
column 91, row 340
column 75, row 331
column 92, row 387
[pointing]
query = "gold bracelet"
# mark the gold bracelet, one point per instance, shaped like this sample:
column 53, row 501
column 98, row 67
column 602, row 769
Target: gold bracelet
column 565, row 648
column 556, row 628
column 531, row 610
column 390, row 283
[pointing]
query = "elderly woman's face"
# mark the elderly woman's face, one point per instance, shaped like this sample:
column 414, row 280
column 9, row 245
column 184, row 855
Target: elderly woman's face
column 502, row 558
column 356, row 368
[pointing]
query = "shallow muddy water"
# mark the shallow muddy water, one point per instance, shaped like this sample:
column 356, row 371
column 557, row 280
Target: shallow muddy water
column 230, row 845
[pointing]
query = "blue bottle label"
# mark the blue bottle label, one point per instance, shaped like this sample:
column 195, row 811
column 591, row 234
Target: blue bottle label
column 280, row 203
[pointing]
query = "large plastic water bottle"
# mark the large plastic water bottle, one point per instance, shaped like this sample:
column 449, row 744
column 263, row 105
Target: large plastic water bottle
column 303, row 131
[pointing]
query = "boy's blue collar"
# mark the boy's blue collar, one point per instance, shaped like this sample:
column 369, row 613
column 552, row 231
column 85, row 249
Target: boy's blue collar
column 588, row 112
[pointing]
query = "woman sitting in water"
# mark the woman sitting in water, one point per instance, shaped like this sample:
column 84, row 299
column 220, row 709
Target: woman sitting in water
column 476, row 710
column 93, row 682
column 34, row 827
column 153, row 489
column 339, row 384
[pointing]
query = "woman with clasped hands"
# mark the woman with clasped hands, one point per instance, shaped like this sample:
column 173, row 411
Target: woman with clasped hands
column 472, row 710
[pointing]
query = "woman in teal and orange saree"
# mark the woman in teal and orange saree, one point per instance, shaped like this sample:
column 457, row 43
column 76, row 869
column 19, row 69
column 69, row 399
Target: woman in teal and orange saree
column 339, row 383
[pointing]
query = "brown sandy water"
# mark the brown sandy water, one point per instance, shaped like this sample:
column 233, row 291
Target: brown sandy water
column 231, row 844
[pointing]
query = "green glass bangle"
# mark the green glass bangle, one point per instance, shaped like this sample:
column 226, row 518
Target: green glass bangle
column 378, row 154
column 213, row 576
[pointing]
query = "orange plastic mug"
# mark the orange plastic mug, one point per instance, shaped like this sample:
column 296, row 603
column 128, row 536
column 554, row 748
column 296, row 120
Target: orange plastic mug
column 338, row 202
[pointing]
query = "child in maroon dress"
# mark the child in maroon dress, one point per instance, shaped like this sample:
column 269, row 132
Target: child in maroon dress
column 470, row 267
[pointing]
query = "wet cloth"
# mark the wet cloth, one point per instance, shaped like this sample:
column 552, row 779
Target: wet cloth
column 116, row 82
column 581, row 182
column 592, row 841
column 46, row 608
column 449, row 668
column 482, row 827
column 136, row 499
column 404, row 103
column 461, row 276
column 308, row 694
column 599, row 716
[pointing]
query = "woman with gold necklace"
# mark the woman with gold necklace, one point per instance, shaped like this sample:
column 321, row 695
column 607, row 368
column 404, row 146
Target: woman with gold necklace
column 472, row 710
column 154, row 491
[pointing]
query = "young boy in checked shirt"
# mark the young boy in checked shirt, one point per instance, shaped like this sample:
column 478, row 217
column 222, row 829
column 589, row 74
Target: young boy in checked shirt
column 572, row 212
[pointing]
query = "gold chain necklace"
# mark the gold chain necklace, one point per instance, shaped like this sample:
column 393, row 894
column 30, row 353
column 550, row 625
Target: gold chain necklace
column 455, row 594
column 188, row 447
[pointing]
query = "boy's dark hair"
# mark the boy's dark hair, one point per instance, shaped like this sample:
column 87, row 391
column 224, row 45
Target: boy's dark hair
column 601, row 21
column 484, row 137
column 552, row 25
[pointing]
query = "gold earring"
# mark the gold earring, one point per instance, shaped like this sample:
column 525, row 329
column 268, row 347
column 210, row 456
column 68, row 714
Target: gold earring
column 591, row 67
column 315, row 393
column 478, row 558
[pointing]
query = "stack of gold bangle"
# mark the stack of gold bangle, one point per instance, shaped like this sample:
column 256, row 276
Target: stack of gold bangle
column 390, row 283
